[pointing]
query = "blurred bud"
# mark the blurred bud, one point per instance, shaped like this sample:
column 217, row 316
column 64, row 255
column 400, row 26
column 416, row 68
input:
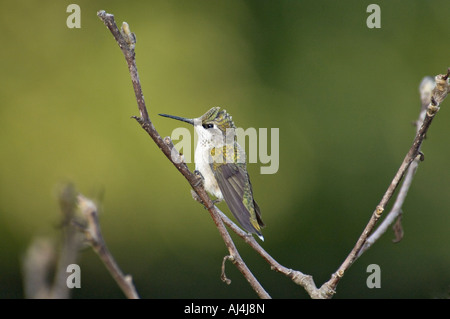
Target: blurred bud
column 88, row 217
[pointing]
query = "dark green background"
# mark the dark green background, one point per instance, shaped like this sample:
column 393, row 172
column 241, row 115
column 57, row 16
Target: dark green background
column 342, row 95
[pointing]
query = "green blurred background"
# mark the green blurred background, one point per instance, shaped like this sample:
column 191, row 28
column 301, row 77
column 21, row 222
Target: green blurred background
column 342, row 95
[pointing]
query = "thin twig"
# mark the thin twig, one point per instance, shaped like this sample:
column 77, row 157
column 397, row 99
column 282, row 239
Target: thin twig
column 438, row 95
column 426, row 89
column 126, row 41
column 306, row 281
column 91, row 227
column 223, row 276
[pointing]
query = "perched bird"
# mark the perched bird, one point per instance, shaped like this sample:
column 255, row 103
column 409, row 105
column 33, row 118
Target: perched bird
column 222, row 164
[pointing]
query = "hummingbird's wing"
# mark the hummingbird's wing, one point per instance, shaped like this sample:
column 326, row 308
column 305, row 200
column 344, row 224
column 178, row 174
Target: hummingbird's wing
column 234, row 183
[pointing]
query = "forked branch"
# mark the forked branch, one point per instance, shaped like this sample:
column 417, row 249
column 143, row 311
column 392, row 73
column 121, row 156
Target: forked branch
column 438, row 94
column 126, row 41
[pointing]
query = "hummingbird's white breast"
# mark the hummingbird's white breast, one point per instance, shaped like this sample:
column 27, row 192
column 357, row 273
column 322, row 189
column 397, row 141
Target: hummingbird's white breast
column 202, row 158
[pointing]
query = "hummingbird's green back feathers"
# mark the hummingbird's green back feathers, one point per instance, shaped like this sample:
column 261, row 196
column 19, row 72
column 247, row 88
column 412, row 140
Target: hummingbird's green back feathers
column 234, row 183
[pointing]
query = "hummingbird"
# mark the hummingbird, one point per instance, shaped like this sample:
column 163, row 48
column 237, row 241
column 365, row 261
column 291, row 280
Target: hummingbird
column 221, row 162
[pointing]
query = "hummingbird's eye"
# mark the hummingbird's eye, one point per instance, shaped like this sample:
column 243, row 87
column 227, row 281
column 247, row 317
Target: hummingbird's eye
column 207, row 126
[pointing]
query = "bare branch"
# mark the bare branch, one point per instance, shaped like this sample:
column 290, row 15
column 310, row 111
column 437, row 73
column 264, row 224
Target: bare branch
column 426, row 89
column 91, row 228
column 126, row 41
column 438, row 95
column 306, row 281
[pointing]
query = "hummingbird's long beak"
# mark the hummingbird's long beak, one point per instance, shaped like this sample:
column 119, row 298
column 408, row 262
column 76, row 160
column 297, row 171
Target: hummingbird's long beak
column 183, row 119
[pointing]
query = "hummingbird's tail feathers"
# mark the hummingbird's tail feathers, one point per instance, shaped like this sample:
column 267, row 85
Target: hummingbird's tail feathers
column 259, row 220
column 239, row 211
column 236, row 190
column 258, row 214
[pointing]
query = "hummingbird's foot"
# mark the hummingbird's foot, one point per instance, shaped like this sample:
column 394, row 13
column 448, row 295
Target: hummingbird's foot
column 200, row 179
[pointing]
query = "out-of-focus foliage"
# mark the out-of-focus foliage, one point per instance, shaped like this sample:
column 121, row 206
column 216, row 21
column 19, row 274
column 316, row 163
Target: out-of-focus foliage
column 342, row 95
